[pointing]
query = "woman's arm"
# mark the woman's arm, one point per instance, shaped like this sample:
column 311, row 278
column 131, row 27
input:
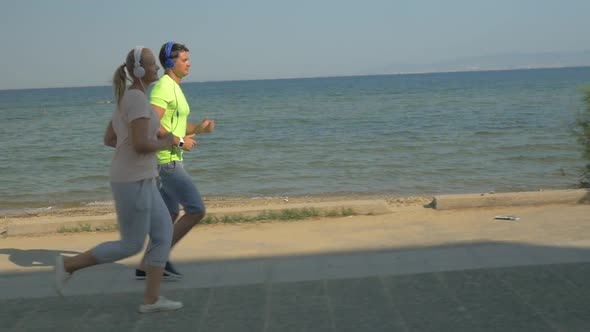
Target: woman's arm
column 162, row 131
column 110, row 137
column 161, row 113
column 142, row 143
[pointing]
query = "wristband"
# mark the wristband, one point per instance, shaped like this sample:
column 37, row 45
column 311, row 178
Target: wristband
column 180, row 142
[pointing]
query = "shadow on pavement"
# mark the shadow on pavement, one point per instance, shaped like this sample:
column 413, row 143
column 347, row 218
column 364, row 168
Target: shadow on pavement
column 34, row 257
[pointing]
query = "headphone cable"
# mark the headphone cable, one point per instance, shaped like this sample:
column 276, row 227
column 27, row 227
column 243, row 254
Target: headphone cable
column 172, row 118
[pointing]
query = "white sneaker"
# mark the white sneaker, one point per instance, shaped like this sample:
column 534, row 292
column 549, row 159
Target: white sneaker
column 61, row 276
column 163, row 304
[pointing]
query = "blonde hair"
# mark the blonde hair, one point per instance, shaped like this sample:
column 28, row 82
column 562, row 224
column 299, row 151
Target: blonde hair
column 120, row 77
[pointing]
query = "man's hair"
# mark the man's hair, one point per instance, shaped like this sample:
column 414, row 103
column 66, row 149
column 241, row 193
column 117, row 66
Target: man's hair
column 174, row 52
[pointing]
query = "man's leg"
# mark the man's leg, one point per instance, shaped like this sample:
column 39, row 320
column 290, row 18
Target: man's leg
column 178, row 188
column 184, row 225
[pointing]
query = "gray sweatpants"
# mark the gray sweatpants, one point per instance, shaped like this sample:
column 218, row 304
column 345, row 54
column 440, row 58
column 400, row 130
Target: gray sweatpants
column 140, row 210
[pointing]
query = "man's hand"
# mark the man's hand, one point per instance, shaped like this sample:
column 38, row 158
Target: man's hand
column 207, row 126
column 189, row 142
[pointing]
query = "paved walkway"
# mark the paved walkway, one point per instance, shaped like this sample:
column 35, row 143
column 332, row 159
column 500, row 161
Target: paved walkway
column 407, row 271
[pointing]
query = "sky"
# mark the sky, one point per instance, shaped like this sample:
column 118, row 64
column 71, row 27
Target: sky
column 70, row 43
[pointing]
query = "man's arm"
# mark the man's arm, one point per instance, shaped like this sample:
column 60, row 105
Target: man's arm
column 206, row 126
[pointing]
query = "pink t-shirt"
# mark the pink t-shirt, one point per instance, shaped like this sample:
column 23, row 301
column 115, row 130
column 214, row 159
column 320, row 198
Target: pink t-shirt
column 129, row 165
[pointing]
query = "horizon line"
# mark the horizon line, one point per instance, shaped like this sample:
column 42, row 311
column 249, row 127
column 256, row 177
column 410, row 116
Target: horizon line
column 329, row 76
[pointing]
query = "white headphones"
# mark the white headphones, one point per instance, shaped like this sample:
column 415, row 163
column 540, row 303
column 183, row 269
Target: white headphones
column 138, row 70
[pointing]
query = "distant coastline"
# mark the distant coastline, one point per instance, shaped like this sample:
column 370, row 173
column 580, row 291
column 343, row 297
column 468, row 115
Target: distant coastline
column 334, row 76
column 397, row 73
column 479, row 70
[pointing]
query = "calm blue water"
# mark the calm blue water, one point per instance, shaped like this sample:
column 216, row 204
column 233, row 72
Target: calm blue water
column 400, row 134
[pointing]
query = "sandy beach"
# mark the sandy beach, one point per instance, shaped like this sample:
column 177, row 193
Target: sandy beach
column 42, row 221
column 103, row 217
column 224, row 202
column 404, row 226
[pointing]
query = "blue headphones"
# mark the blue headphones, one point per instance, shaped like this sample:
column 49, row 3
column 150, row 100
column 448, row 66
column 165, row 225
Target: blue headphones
column 168, row 48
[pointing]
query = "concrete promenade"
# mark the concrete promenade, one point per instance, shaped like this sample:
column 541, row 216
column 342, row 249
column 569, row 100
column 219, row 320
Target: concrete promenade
column 413, row 269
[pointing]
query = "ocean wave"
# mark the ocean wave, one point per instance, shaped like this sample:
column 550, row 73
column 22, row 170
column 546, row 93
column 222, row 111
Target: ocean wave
column 540, row 159
column 100, row 203
column 90, row 178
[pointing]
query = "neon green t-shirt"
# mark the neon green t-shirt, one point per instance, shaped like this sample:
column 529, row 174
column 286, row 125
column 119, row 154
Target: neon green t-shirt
column 168, row 95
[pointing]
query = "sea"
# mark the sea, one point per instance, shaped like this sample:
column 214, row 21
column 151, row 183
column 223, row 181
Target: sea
column 401, row 135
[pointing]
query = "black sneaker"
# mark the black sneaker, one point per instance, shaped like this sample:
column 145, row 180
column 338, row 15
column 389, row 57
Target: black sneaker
column 171, row 270
column 170, row 273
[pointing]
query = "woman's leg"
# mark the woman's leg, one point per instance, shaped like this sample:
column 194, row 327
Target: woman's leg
column 133, row 205
column 78, row 262
column 153, row 281
column 177, row 189
column 158, row 248
column 133, row 202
